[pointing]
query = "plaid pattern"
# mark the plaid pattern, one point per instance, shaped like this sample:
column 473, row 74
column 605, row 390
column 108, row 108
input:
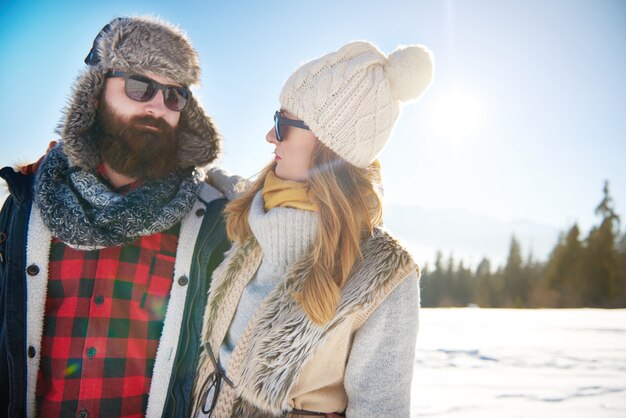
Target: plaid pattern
column 104, row 316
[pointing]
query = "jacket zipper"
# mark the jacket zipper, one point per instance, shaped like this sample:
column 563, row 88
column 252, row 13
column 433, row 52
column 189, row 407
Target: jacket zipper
column 198, row 266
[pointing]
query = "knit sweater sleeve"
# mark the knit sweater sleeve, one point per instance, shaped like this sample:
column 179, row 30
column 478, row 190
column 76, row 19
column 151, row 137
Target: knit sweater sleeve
column 380, row 367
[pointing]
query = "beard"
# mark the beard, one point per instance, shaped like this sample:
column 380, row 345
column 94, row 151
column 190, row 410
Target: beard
column 132, row 147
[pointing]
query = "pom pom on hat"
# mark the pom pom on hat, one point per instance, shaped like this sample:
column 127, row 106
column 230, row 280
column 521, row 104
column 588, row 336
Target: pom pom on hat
column 410, row 72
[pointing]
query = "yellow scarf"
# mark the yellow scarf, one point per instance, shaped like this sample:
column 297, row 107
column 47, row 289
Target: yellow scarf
column 286, row 194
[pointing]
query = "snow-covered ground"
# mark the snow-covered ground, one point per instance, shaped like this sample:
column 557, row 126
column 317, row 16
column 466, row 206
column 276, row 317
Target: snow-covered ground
column 520, row 363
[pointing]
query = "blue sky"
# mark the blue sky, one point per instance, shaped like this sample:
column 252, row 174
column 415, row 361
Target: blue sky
column 525, row 119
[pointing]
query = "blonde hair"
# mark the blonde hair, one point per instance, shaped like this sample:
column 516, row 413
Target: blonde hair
column 350, row 206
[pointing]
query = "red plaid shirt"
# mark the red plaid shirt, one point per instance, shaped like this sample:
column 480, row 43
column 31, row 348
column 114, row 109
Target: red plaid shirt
column 103, row 321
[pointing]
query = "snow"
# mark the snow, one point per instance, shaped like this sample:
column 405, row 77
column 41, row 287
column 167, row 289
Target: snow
column 520, row 363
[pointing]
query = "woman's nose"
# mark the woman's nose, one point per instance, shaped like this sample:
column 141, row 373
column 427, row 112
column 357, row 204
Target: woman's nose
column 271, row 137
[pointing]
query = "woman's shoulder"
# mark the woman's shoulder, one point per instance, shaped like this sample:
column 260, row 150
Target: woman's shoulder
column 382, row 245
column 384, row 263
column 386, row 275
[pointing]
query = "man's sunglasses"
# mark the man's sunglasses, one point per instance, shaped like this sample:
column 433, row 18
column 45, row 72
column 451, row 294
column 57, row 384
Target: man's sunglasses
column 280, row 124
column 143, row 89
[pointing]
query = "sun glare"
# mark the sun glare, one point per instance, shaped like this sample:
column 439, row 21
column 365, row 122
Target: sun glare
column 456, row 116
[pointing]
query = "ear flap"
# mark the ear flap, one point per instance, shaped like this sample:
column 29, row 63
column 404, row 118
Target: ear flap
column 79, row 118
column 199, row 142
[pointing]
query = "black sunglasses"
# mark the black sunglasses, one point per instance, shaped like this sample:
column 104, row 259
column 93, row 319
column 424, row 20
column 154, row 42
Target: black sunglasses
column 212, row 386
column 280, row 124
column 143, row 89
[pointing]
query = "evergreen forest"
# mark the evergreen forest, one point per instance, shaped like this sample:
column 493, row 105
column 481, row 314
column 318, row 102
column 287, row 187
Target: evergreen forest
column 582, row 270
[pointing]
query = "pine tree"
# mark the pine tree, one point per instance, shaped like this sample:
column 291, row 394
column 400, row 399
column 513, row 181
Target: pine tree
column 464, row 290
column 501, row 300
column 485, row 286
column 448, row 285
column 424, row 278
column 432, row 284
column 621, row 278
column 564, row 271
column 515, row 282
column 601, row 274
column 533, row 271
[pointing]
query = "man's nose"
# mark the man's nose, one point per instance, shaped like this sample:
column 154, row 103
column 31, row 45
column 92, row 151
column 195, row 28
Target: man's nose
column 156, row 106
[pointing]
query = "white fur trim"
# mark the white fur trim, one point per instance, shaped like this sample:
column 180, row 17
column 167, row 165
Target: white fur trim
column 168, row 344
column 37, row 253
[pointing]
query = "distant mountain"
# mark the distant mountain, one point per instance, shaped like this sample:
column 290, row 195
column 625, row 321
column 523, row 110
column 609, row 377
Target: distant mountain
column 466, row 235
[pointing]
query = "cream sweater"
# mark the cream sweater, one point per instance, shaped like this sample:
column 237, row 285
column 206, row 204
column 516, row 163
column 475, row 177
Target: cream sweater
column 380, row 366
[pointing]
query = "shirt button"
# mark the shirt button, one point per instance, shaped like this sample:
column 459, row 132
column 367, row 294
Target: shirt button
column 99, row 300
column 183, row 280
column 31, row 351
column 200, row 212
column 90, row 353
column 82, row 414
column 32, row 270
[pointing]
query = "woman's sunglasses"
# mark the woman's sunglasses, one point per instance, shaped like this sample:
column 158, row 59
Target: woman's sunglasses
column 281, row 123
column 143, row 89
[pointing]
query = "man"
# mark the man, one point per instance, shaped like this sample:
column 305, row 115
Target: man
column 107, row 249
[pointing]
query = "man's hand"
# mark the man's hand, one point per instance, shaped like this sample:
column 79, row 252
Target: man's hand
column 230, row 185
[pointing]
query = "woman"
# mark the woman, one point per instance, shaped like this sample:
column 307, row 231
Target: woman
column 314, row 309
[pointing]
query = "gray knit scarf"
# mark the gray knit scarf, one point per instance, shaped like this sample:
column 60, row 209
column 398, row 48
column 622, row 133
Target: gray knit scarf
column 86, row 214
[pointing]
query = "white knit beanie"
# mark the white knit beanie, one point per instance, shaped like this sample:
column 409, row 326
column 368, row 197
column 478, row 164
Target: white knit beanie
column 350, row 99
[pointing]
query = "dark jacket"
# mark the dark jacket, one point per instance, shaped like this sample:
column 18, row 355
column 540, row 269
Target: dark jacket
column 210, row 245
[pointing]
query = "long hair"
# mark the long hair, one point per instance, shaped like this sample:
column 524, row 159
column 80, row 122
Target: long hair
column 350, row 206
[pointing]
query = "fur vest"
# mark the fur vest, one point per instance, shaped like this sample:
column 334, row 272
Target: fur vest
column 284, row 361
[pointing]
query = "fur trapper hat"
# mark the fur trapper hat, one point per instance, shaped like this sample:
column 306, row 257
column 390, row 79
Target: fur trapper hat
column 350, row 99
column 138, row 45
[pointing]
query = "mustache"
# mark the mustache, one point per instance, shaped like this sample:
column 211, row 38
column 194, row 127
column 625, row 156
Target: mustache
column 145, row 120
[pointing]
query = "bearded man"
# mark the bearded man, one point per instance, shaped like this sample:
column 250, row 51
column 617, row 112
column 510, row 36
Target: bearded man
column 106, row 250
